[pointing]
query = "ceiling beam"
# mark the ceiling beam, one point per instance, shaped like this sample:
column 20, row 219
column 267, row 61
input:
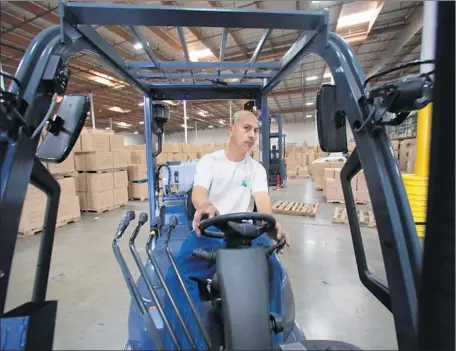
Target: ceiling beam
column 233, row 34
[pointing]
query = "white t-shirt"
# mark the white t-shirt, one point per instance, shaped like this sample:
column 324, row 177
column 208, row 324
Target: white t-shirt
column 231, row 185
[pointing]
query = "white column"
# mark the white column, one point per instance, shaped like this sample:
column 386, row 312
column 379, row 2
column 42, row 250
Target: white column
column 428, row 32
column 185, row 121
column 231, row 112
column 196, row 131
column 92, row 110
column 2, row 80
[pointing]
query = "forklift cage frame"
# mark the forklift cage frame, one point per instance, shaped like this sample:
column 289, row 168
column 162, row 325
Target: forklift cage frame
column 398, row 238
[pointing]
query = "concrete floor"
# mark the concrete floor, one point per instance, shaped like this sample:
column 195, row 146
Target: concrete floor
column 331, row 303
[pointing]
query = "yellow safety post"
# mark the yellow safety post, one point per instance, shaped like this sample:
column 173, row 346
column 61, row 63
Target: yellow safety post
column 416, row 185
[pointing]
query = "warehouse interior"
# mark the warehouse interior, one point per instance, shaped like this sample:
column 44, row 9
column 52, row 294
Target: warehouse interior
column 106, row 174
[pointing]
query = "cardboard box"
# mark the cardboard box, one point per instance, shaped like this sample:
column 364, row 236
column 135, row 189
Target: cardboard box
column 94, row 161
column 116, row 143
column 67, row 186
column 94, row 142
column 67, row 166
column 96, row 201
column 172, row 147
column 98, row 182
column 81, row 182
column 119, row 159
column 32, row 216
column 138, row 191
column 120, row 179
column 34, row 193
column 362, row 196
column 69, row 208
column 137, row 172
column 138, row 157
column 77, row 146
column 121, row 196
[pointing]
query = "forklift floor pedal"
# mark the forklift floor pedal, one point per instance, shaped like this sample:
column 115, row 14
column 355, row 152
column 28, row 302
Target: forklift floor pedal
column 295, row 208
column 365, row 217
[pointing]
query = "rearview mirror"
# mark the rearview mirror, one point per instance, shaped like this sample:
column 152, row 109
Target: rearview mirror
column 64, row 128
column 332, row 131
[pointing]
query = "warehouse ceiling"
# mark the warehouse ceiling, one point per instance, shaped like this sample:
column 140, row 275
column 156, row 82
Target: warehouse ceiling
column 382, row 34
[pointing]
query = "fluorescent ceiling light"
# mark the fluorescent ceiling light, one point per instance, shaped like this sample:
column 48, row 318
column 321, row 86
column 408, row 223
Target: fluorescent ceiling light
column 135, row 132
column 309, row 116
column 107, row 128
column 309, row 103
column 210, row 126
column 105, row 79
column 123, row 124
column 311, row 78
column 203, row 113
column 188, row 127
column 118, row 109
column 138, row 46
column 169, row 102
column 196, row 55
column 142, row 122
column 141, row 104
column 357, row 18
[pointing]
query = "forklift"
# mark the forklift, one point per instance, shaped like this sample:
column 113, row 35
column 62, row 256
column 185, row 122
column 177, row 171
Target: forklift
column 277, row 170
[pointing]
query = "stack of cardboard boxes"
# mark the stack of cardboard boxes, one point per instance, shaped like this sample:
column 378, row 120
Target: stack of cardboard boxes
column 137, row 173
column 299, row 160
column 332, row 189
column 319, row 166
column 407, row 155
column 33, row 212
column 101, row 161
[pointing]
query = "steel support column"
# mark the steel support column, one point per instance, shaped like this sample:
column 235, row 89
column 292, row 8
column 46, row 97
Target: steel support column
column 148, row 117
column 265, row 133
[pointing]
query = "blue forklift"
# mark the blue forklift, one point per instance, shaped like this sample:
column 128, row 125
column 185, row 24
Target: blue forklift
column 252, row 308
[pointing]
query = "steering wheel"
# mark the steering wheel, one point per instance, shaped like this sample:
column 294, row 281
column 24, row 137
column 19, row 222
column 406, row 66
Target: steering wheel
column 233, row 222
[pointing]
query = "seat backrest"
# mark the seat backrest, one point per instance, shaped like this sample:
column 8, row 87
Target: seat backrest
column 189, row 207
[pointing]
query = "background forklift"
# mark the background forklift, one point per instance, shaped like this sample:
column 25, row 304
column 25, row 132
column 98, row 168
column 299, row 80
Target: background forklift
column 277, row 170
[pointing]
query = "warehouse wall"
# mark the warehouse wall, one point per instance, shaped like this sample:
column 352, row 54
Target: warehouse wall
column 295, row 133
column 132, row 139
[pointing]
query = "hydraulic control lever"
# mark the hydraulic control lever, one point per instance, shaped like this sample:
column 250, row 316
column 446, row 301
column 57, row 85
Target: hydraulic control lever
column 124, row 223
column 150, row 288
column 133, row 289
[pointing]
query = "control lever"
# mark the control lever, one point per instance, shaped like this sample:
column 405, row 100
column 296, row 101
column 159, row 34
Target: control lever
column 131, row 285
column 129, row 216
column 142, row 220
column 273, row 248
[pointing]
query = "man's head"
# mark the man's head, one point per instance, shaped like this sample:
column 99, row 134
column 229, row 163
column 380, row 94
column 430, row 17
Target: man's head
column 243, row 131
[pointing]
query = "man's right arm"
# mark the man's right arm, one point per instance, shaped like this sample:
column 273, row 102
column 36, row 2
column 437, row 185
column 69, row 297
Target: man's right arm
column 200, row 192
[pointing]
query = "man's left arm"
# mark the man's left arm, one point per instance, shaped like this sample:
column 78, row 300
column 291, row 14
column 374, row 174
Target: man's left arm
column 260, row 191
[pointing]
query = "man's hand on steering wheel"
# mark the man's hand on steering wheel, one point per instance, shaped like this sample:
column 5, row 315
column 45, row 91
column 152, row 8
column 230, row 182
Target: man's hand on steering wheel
column 279, row 234
column 208, row 210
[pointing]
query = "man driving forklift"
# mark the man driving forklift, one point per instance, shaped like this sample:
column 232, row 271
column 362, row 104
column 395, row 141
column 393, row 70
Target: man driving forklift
column 225, row 181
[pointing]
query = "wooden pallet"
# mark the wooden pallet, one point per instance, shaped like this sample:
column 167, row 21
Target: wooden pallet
column 65, row 175
column 139, row 198
column 102, row 210
column 365, row 217
column 335, row 201
column 30, row 232
column 295, row 208
column 109, row 170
